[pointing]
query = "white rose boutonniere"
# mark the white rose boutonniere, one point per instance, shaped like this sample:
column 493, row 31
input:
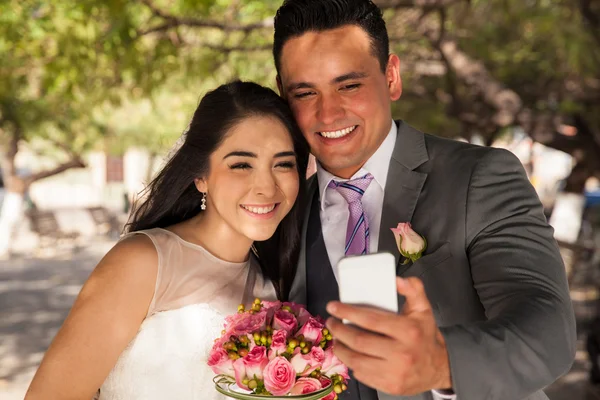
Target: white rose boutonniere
column 410, row 244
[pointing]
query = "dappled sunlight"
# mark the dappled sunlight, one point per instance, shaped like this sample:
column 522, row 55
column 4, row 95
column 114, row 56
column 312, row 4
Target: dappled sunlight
column 36, row 294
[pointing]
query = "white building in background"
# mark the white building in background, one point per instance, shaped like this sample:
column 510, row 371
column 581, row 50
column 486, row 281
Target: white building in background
column 545, row 166
column 104, row 182
column 547, row 169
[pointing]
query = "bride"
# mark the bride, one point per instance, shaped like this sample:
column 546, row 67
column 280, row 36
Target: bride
column 145, row 320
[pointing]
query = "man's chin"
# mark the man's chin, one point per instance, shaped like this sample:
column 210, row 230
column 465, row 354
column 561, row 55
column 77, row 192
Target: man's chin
column 342, row 170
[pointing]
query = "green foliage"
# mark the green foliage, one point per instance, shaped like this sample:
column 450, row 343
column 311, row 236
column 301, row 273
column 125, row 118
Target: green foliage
column 86, row 73
column 532, row 47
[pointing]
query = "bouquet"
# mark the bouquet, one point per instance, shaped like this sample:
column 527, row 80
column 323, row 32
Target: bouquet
column 279, row 350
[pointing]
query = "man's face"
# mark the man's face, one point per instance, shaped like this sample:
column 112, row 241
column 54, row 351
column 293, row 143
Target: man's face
column 340, row 97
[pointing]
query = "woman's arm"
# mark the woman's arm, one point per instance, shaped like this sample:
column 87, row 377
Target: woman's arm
column 104, row 319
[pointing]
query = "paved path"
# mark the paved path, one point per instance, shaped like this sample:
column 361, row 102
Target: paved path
column 37, row 293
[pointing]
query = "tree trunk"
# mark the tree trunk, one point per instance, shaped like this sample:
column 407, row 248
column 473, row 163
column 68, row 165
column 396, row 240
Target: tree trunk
column 150, row 170
column 11, row 212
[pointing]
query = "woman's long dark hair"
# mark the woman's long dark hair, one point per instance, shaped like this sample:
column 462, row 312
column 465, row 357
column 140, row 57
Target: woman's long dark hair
column 172, row 196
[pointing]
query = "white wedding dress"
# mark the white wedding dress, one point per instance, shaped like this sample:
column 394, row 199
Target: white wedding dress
column 194, row 292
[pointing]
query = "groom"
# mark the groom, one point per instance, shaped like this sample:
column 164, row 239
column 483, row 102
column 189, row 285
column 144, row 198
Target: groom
column 486, row 312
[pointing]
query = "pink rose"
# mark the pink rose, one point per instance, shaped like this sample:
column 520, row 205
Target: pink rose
column 306, row 385
column 297, row 309
column 271, row 307
column 271, row 304
column 285, row 320
column 255, row 362
column 333, row 366
column 302, row 316
column 312, row 330
column 219, row 362
column 249, row 323
column 279, row 344
column 251, row 366
column 279, row 376
column 232, row 319
column 305, row 364
column 300, row 362
column 410, row 244
column 240, row 373
column 317, row 355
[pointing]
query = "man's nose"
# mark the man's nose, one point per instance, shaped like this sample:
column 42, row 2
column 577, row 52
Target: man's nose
column 329, row 109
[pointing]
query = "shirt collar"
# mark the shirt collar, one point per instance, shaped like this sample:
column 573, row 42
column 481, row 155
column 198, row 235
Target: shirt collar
column 378, row 165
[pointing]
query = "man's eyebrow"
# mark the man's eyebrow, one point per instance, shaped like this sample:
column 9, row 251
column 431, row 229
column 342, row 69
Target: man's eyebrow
column 339, row 79
column 240, row 154
column 299, row 85
column 350, row 76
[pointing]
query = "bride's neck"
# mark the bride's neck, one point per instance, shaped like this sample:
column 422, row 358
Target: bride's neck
column 219, row 239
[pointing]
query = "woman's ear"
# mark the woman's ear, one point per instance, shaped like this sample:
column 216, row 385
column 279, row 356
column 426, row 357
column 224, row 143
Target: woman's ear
column 201, row 185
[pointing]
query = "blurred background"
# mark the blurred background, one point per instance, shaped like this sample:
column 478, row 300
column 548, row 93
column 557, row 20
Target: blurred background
column 94, row 95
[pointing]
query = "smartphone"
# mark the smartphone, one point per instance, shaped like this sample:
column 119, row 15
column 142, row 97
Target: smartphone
column 369, row 280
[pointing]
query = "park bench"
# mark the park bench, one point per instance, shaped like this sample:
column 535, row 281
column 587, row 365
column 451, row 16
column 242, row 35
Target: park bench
column 45, row 225
column 106, row 222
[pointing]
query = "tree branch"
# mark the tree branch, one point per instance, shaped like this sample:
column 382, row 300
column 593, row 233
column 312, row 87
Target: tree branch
column 506, row 102
column 61, row 146
column 198, row 23
column 229, row 49
column 425, row 4
column 592, row 19
column 155, row 10
column 73, row 163
column 172, row 21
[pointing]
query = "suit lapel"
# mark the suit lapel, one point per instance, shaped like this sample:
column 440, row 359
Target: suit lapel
column 403, row 186
column 400, row 199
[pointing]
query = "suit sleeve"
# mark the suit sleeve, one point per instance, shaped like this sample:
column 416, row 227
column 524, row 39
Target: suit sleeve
column 528, row 339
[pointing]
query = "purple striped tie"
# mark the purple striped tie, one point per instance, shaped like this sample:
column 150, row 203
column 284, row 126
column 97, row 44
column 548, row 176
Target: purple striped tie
column 357, row 233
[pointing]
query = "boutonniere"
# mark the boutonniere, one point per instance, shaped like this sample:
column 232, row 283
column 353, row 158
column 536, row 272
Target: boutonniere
column 410, row 244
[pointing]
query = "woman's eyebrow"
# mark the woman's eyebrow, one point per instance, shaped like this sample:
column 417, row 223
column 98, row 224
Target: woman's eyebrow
column 253, row 155
column 285, row 154
column 240, row 154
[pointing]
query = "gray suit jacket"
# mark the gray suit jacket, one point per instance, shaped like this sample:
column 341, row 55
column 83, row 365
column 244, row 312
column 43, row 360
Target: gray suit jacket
column 492, row 270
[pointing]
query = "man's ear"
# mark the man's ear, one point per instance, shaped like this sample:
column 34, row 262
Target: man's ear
column 201, row 185
column 392, row 75
column 280, row 86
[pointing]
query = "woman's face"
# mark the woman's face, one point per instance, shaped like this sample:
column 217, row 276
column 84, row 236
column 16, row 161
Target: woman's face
column 253, row 180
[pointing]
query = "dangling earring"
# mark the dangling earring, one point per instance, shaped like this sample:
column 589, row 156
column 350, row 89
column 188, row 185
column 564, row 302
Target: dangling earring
column 203, row 204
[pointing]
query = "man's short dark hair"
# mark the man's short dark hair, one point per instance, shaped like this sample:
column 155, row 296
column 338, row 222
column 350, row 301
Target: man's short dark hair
column 296, row 17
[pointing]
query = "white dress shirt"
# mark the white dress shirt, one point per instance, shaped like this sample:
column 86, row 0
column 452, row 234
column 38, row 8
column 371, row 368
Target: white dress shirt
column 334, row 208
